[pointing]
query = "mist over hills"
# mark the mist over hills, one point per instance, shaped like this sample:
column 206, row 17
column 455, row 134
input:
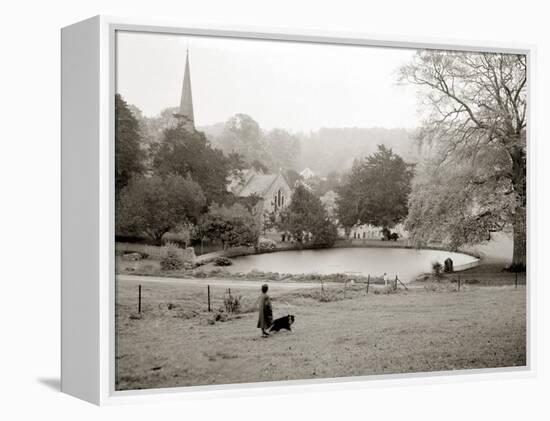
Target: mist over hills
column 335, row 149
column 324, row 151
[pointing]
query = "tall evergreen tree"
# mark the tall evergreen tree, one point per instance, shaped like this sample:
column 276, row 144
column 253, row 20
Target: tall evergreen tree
column 376, row 190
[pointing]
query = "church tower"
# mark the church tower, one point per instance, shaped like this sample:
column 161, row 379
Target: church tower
column 185, row 112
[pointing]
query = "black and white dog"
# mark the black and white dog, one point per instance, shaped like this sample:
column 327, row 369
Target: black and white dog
column 282, row 323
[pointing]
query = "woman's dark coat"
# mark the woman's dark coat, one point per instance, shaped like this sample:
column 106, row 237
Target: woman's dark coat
column 265, row 316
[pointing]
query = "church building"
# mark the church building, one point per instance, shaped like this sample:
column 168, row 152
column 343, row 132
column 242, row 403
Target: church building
column 273, row 190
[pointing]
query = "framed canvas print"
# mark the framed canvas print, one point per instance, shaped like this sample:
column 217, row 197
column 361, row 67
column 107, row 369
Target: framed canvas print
column 247, row 209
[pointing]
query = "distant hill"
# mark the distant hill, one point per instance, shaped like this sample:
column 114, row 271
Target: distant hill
column 334, row 149
column 324, row 151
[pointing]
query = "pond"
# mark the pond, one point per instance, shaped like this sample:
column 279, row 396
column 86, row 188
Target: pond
column 407, row 264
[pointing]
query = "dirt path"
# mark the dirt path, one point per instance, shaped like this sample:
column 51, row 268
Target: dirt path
column 227, row 283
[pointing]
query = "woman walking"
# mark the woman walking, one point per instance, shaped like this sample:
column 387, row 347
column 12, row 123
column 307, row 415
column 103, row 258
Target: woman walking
column 265, row 316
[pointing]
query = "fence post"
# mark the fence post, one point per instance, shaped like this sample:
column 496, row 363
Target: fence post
column 395, row 282
column 516, row 280
column 368, row 282
column 139, row 299
column 209, row 298
column 459, row 283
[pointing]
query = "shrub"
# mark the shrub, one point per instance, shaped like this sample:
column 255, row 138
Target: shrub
column 437, row 268
column 327, row 296
column 171, row 257
column 266, row 244
column 232, row 303
column 390, row 289
column 217, row 272
column 223, row 261
column 181, row 235
column 200, row 273
column 148, row 267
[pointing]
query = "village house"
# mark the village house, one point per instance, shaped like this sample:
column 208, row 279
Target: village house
column 307, row 173
column 370, row 232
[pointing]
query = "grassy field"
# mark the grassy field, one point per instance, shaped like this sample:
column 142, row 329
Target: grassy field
column 176, row 342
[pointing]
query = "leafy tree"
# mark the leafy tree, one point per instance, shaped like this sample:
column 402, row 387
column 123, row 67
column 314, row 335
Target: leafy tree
column 329, row 202
column 128, row 154
column 284, row 149
column 376, row 190
column 155, row 205
column 266, row 152
column 233, row 226
column 322, row 185
column 242, row 134
column 476, row 114
column 307, row 220
column 189, row 154
column 445, row 206
column 154, row 127
column 259, row 166
column 236, row 162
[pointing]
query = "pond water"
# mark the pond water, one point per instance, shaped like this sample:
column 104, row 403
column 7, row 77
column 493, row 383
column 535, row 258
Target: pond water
column 404, row 263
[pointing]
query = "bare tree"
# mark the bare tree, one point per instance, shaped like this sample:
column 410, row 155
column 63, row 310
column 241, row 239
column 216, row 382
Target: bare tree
column 476, row 112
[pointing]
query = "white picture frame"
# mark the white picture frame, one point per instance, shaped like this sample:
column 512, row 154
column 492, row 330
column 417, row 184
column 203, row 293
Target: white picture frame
column 88, row 337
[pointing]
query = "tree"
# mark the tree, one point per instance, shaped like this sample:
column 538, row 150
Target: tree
column 189, row 154
column 329, row 202
column 307, row 220
column 155, row 205
column 476, row 113
column 128, row 154
column 153, row 127
column 242, row 134
column 259, row 166
column 347, row 199
column 375, row 191
column 284, row 149
column 445, row 207
column 234, row 225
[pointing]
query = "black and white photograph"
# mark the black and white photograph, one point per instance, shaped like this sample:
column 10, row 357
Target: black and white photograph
column 290, row 210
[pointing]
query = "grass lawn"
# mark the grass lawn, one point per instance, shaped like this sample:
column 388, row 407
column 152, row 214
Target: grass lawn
column 174, row 343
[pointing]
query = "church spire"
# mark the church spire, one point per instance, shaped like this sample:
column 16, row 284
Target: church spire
column 185, row 112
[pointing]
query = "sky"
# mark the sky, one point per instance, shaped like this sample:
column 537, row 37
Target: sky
column 300, row 87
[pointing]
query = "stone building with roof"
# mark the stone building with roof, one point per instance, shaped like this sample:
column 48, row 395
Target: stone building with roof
column 273, row 191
